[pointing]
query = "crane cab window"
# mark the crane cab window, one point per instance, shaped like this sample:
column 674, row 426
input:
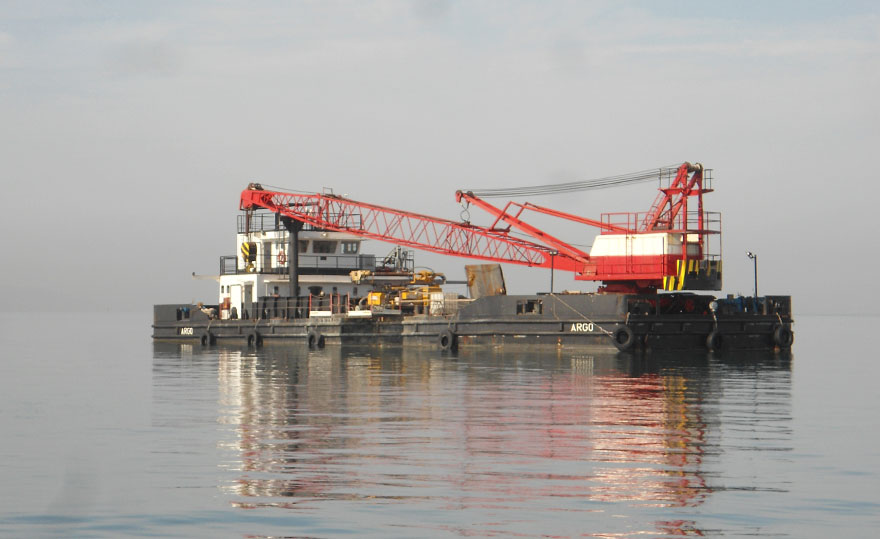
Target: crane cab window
column 350, row 247
column 324, row 247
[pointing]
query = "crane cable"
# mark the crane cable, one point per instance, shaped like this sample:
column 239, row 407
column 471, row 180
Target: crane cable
column 554, row 188
column 287, row 190
column 583, row 185
column 582, row 315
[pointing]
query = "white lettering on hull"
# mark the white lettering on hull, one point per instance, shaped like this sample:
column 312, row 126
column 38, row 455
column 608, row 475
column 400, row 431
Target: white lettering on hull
column 583, row 327
column 186, row 331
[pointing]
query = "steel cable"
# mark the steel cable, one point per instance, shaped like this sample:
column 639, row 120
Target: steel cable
column 583, row 185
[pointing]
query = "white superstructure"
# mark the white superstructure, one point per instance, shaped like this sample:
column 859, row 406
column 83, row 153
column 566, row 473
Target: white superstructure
column 261, row 266
column 657, row 244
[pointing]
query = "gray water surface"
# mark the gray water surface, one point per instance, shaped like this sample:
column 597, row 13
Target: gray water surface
column 106, row 434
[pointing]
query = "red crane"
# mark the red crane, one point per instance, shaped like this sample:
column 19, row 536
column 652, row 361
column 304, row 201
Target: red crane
column 665, row 248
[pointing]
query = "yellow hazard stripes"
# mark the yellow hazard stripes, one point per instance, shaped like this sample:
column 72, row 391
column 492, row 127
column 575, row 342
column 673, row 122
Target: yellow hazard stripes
column 249, row 255
column 695, row 275
column 249, row 251
column 676, row 282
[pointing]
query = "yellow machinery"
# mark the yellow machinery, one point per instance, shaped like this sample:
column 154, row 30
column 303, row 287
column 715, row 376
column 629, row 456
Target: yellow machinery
column 394, row 292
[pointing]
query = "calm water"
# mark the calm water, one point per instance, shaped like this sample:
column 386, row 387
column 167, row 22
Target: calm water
column 106, row 434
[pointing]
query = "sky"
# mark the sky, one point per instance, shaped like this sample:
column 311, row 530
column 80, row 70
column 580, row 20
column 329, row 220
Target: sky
column 129, row 129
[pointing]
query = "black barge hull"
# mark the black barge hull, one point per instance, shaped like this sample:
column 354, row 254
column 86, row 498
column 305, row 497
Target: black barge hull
column 622, row 322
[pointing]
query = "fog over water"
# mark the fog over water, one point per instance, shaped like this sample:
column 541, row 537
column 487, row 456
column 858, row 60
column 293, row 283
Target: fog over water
column 107, row 434
column 129, row 130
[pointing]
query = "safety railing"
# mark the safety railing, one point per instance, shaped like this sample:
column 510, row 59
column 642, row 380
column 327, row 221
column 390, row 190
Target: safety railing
column 266, row 221
column 269, row 307
column 329, row 304
column 232, row 265
column 228, row 265
column 633, row 221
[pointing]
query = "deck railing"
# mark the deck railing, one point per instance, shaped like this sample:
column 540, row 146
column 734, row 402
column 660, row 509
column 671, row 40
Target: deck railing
column 232, row 265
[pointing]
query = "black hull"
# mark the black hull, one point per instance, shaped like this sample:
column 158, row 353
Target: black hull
column 597, row 322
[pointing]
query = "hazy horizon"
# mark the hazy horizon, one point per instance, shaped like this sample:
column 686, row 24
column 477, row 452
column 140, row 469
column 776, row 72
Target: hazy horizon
column 129, row 130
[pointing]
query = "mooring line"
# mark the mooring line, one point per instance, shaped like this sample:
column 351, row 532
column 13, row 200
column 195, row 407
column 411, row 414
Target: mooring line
column 603, row 330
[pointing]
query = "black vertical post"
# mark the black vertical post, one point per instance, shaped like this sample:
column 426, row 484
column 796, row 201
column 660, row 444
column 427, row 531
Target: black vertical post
column 756, row 277
column 552, row 260
column 754, row 258
column 293, row 261
column 293, row 227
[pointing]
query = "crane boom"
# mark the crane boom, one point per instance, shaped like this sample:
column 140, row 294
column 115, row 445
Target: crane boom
column 514, row 221
column 332, row 212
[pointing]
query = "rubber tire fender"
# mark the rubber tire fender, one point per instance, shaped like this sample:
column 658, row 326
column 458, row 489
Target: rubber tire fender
column 783, row 337
column 623, row 338
column 315, row 339
column 208, row 339
column 714, row 341
column 447, row 340
column 255, row 339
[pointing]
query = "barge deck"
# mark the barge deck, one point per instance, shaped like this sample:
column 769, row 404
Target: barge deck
column 602, row 322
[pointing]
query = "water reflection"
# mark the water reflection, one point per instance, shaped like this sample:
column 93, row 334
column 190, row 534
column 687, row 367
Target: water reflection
column 511, row 440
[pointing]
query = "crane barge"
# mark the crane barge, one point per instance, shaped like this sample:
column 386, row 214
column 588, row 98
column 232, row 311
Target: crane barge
column 300, row 276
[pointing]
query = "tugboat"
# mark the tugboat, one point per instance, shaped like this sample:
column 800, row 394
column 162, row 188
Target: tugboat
column 300, row 276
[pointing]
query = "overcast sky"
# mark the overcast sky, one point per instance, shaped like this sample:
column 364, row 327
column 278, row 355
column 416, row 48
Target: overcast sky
column 129, row 129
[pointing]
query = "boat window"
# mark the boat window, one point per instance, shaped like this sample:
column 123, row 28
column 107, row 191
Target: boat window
column 529, row 306
column 350, row 247
column 303, row 246
column 323, row 246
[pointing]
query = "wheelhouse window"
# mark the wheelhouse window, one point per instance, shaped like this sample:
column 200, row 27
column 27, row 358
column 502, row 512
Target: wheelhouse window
column 350, row 247
column 324, row 247
column 303, row 246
